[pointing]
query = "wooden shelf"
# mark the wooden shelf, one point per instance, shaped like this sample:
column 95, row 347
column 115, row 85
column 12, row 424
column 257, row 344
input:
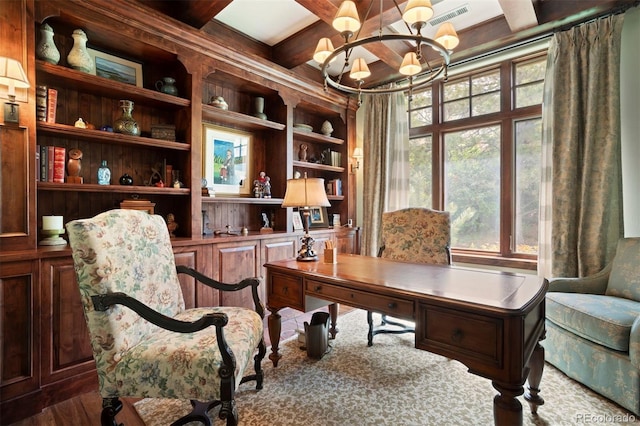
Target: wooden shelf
column 108, row 88
column 243, row 200
column 335, row 197
column 317, row 166
column 315, row 137
column 122, row 189
column 66, row 131
column 239, row 120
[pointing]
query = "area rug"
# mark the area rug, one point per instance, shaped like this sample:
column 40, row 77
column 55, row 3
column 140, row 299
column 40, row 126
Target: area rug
column 390, row 383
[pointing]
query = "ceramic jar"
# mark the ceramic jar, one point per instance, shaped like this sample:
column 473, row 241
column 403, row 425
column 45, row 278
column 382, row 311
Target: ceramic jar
column 104, row 174
column 46, row 48
column 166, row 85
column 126, row 124
column 125, row 179
column 259, row 108
column 78, row 57
column 326, row 128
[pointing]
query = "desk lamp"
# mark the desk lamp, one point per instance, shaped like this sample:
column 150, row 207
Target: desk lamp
column 13, row 76
column 305, row 193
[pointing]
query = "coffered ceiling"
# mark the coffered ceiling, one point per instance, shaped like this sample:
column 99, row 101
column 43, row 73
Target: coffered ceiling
column 286, row 31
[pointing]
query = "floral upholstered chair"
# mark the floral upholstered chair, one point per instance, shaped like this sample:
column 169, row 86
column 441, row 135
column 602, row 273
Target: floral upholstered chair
column 593, row 327
column 416, row 235
column 145, row 343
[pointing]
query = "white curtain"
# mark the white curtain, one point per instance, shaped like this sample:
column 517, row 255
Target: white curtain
column 386, row 169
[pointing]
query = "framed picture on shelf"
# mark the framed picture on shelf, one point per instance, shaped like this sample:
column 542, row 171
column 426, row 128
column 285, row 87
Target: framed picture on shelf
column 297, row 221
column 318, row 218
column 116, row 69
column 226, row 160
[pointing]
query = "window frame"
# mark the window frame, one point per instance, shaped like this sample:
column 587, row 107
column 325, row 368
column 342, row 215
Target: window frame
column 505, row 118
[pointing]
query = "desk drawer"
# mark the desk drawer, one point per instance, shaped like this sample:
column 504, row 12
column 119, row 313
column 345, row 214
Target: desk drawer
column 284, row 290
column 396, row 307
column 468, row 335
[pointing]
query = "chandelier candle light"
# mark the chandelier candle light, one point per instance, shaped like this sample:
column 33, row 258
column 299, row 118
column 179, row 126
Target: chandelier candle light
column 415, row 74
column 306, row 193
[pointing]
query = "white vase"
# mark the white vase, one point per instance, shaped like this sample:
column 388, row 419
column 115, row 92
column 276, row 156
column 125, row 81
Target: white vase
column 259, row 107
column 78, row 57
column 46, row 48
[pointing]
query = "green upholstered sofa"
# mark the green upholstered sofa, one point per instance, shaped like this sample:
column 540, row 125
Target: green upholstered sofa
column 593, row 327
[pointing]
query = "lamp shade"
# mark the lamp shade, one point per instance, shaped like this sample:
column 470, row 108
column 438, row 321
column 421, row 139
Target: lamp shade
column 359, row 70
column 347, row 20
column 417, row 11
column 12, row 75
column 305, row 192
column 323, row 50
column 410, row 64
column 447, row 36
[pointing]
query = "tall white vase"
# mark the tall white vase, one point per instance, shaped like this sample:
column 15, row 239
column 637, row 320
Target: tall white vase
column 46, row 48
column 78, row 57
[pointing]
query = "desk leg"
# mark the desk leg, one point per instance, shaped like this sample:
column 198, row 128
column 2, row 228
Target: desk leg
column 507, row 410
column 536, row 366
column 275, row 327
column 333, row 313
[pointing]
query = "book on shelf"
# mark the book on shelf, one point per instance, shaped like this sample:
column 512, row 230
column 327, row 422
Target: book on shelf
column 51, row 155
column 59, row 156
column 52, row 104
column 41, row 103
column 44, row 161
column 334, row 187
column 37, row 162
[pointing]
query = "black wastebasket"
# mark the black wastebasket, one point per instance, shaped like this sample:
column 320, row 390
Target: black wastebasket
column 317, row 335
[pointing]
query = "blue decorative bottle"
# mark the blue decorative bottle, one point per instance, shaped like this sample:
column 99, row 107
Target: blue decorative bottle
column 104, row 174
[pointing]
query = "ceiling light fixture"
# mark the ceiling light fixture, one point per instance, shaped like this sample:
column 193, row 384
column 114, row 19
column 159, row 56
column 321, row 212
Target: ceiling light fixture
column 415, row 70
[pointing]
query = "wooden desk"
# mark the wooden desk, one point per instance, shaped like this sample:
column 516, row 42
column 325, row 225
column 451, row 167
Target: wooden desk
column 490, row 321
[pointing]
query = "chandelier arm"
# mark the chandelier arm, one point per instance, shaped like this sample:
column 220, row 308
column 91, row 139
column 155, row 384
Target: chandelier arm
column 429, row 76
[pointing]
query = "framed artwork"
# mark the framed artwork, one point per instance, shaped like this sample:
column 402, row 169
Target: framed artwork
column 297, row 222
column 226, row 160
column 116, row 69
column 319, row 217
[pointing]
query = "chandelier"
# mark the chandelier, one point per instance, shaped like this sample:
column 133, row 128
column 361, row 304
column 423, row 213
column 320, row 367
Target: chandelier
column 415, row 70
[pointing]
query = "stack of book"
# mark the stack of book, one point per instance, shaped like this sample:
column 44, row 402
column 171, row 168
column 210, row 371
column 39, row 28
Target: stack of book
column 50, row 161
column 334, row 187
column 331, row 158
column 46, row 103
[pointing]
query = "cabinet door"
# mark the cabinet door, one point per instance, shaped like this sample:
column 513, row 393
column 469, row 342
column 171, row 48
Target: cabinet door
column 66, row 348
column 19, row 328
column 195, row 293
column 277, row 249
column 234, row 261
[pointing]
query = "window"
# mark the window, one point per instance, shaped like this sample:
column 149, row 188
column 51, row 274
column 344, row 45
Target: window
column 475, row 152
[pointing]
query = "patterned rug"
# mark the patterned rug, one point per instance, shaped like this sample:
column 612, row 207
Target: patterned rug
column 390, row 383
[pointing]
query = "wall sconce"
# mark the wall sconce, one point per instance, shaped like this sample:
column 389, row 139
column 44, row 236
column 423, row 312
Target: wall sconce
column 357, row 155
column 13, row 76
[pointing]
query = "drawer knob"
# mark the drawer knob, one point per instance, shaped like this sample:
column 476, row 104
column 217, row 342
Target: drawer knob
column 285, row 290
column 457, row 335
column 318, row 288
column 392, row 305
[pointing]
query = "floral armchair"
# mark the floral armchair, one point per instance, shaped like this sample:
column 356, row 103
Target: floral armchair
column 593, row 327
column 416, row 235
column 145, row 343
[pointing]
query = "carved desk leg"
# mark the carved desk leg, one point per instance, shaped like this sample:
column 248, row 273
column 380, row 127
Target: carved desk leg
column 507, row 410
column 333, row 313
column 536, row 366
column 275, row 327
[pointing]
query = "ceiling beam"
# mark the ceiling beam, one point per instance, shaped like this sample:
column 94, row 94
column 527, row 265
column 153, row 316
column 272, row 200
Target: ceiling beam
column 520, row 14
column 192, row 12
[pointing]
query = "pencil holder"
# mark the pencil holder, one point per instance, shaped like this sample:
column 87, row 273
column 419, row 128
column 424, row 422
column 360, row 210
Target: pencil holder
column 331, row 255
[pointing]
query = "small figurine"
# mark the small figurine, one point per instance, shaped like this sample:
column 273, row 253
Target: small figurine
column 74, row 166
column 266, row 227
column 172, row 225
column 80, row 123
column 262, row 186
column 302, row 154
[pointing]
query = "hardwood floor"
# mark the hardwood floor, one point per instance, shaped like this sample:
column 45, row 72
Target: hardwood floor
column 84, row 410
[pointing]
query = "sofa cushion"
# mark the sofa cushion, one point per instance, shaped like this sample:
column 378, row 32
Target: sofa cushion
column 605, row 320
column 624, row 280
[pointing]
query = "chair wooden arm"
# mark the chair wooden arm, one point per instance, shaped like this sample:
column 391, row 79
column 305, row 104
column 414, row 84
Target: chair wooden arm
column 102, row 302
column 247, row 282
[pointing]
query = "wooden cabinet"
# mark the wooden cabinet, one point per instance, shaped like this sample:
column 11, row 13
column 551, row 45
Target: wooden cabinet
column 19, row 329
column 234, row 261
column 66, row 348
